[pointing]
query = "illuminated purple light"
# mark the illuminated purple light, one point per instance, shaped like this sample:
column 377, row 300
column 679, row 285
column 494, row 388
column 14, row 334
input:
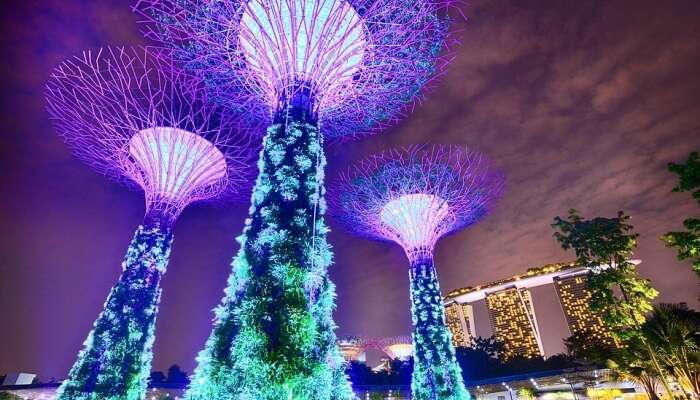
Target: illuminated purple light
column 317, row 42
column 132, row 116
column 401, row 351
column 416, row 220
column 361, row 61
column 395, row 347
column 415, row 196
column 175, row 165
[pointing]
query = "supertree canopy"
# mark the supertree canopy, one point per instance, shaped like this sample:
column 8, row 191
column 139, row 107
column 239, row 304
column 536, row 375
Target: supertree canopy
column 310, row 69
column 398, row 347
column 413, row 197
column 130, row 115
column 352, row 348
column 353, row 64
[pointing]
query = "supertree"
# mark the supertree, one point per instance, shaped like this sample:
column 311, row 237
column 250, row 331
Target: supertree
column 398, row 347
column 413, row 197
column 127, row 113
column 352, row 348
column 309, row 69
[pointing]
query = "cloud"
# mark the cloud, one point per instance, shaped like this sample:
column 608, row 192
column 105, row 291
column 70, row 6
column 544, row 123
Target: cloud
column 581, row 104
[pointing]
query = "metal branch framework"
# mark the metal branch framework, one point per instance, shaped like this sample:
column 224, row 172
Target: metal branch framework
column 361, row 60
column 352, row 347
column 395, row 347
column 413, row 197
column 132, row 116
column 398, row 347
column 416, row 195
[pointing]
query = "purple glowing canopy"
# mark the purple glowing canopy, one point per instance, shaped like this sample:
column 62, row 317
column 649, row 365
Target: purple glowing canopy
column 132, row 116
column 361, row 61
column 416, row 195
column 400, row 347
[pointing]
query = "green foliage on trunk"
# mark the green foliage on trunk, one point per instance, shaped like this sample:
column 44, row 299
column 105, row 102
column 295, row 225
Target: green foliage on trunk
column 116, row 359
column 273, row 337
column 687, row 243
column 436, row 373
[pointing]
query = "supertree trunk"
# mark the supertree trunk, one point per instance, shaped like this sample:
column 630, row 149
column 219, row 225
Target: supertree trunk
column 273, row 337
column 115, row 361
column 436, row 373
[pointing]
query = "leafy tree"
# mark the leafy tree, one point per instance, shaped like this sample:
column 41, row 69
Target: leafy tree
column 587, row 348
column 526, row 393
column 489, row 346
column 399, row 373
column 635, row 364
column 9, row 396
column 359, row 373
column 687, row 243
column 177, row 375
column 481, row 361
column 604, row 246
column 674, row 331
column 630, row 363
column 157, row 377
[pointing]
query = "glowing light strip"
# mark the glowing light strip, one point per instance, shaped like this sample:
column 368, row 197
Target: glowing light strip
column 320, row 42
column 417, row 220
column 364, row 60
column 416, row 195
column 131, row 115
column 174, row 163
column 400, row 350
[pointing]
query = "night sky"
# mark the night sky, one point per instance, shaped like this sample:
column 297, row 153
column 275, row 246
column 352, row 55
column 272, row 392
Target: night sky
column 581, row 103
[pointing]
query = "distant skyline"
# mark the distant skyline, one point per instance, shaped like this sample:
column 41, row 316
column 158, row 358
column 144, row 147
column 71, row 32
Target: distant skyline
column 581, row 104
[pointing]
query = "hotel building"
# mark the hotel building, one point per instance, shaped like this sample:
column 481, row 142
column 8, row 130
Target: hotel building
column 575, row 299
column 512, row 314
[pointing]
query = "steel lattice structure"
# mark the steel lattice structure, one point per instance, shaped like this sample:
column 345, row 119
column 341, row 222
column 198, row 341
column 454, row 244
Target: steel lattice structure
column 398, row 347
column 413, row 197
column 355, row 347
column 356, row 63
column 310, row 70
column 130, row 115
column 352, row 348
column 133, row 117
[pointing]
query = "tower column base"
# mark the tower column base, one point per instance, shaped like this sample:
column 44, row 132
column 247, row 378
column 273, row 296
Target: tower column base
column 436, row 373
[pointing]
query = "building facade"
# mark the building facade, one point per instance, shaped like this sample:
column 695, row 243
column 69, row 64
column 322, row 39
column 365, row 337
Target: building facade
column 460, row 321
column 512, row 314
column 514, row 323
column 575, row 299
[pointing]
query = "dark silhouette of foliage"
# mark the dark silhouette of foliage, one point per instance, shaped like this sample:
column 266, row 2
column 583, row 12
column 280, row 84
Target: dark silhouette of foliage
column 687, row 243
column 177, row 375
column 157, row 377
column 481, row 361
column 587, row 348
column 689, row 175
column 399, row 374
